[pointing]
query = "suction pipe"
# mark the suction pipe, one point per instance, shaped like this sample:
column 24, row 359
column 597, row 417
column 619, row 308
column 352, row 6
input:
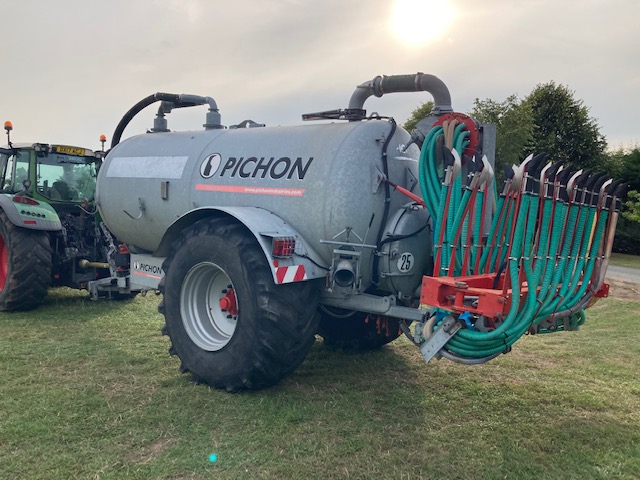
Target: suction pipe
column 417, row 82
column 170, row 100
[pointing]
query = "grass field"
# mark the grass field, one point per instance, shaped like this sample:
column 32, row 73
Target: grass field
column 624, row 260
column 87, row 390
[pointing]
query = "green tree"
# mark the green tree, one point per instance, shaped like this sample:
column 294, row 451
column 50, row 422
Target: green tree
column 625, row 164
column 423, row 111
column 632, row 211
column 514, row 127
column 549, row 120
column 563, row 128
column 629, row 167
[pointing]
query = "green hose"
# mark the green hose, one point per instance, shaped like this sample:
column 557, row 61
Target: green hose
column 546, row 242
column 428, row 176
column 497, row 223
column 564, row 256
column 477, row 231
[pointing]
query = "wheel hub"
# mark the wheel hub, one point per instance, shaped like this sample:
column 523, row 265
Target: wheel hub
column 228, row 302
column 208, row 306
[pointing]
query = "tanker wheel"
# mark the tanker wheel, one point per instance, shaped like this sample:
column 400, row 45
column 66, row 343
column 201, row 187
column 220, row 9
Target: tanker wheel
column 228, row 322
column 351, row 330
column 25, row 266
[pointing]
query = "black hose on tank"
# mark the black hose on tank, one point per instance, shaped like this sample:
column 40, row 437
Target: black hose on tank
column 137, row 108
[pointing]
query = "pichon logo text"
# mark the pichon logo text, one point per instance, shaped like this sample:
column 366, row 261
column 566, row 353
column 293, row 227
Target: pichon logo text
column 275, row 168
column 147, row 268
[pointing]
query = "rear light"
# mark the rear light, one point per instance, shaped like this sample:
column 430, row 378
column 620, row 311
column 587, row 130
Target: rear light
column 283, row 247
column 25, row 200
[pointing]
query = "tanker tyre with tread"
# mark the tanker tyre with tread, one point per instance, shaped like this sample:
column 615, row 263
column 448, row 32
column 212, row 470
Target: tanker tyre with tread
column 356, row 330
column 25, row 266
column 264, row 331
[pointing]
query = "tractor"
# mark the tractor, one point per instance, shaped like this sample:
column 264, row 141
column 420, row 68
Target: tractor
column 50, row 233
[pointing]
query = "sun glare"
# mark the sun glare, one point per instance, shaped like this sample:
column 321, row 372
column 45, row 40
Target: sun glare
column 418, row 22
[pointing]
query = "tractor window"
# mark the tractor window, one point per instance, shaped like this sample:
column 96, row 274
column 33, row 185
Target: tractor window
column 66, row 177
column 14, row 170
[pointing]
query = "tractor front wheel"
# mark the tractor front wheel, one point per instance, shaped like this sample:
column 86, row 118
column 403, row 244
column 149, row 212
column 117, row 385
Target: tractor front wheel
column 229, row 323
column 25, row 266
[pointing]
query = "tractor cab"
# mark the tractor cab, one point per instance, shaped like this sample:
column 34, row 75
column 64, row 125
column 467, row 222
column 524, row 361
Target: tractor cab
column 57, row 174
column 60, row 175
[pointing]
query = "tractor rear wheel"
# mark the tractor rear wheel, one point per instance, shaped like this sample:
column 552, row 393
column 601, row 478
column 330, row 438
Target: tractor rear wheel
column 351, row 330
column 25, row 266
column 228, row 322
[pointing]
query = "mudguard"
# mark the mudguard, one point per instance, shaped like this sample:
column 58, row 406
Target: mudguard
column 304, row 264
column 39, row 216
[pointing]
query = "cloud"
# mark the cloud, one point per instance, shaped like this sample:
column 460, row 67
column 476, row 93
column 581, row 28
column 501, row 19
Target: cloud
column 76, row 70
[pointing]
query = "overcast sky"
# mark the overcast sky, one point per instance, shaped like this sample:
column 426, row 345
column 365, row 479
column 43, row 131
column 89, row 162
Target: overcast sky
column 72, row 68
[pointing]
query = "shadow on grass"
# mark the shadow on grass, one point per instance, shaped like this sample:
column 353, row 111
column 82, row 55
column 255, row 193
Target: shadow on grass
column 333, row 369
column 63, row 298
column 65, row 305
column 328, row 365
column 338, row 389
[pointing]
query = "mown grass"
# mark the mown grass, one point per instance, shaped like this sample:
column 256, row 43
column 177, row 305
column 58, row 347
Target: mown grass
column 87, row 390
column 625, row 260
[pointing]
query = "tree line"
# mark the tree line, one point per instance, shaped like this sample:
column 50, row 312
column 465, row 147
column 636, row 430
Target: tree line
column 552, row 120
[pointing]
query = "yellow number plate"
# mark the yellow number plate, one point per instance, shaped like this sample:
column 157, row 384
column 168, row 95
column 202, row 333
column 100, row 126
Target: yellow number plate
column 69, row 150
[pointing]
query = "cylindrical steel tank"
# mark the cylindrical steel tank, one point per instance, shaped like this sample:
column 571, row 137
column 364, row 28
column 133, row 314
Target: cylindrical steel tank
column 322, row 179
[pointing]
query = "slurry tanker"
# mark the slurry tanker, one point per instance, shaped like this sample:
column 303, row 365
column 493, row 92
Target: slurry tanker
column 347, row 226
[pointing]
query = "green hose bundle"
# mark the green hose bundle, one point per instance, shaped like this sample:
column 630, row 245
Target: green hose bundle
column 544, row 241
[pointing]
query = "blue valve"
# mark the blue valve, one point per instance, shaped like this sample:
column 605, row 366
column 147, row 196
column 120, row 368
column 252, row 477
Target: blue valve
column 466, row 316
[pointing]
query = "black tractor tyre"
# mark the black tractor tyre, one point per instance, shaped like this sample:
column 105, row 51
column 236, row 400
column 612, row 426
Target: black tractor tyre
column 25, row 266
column 263, row 340
column 351, row 330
